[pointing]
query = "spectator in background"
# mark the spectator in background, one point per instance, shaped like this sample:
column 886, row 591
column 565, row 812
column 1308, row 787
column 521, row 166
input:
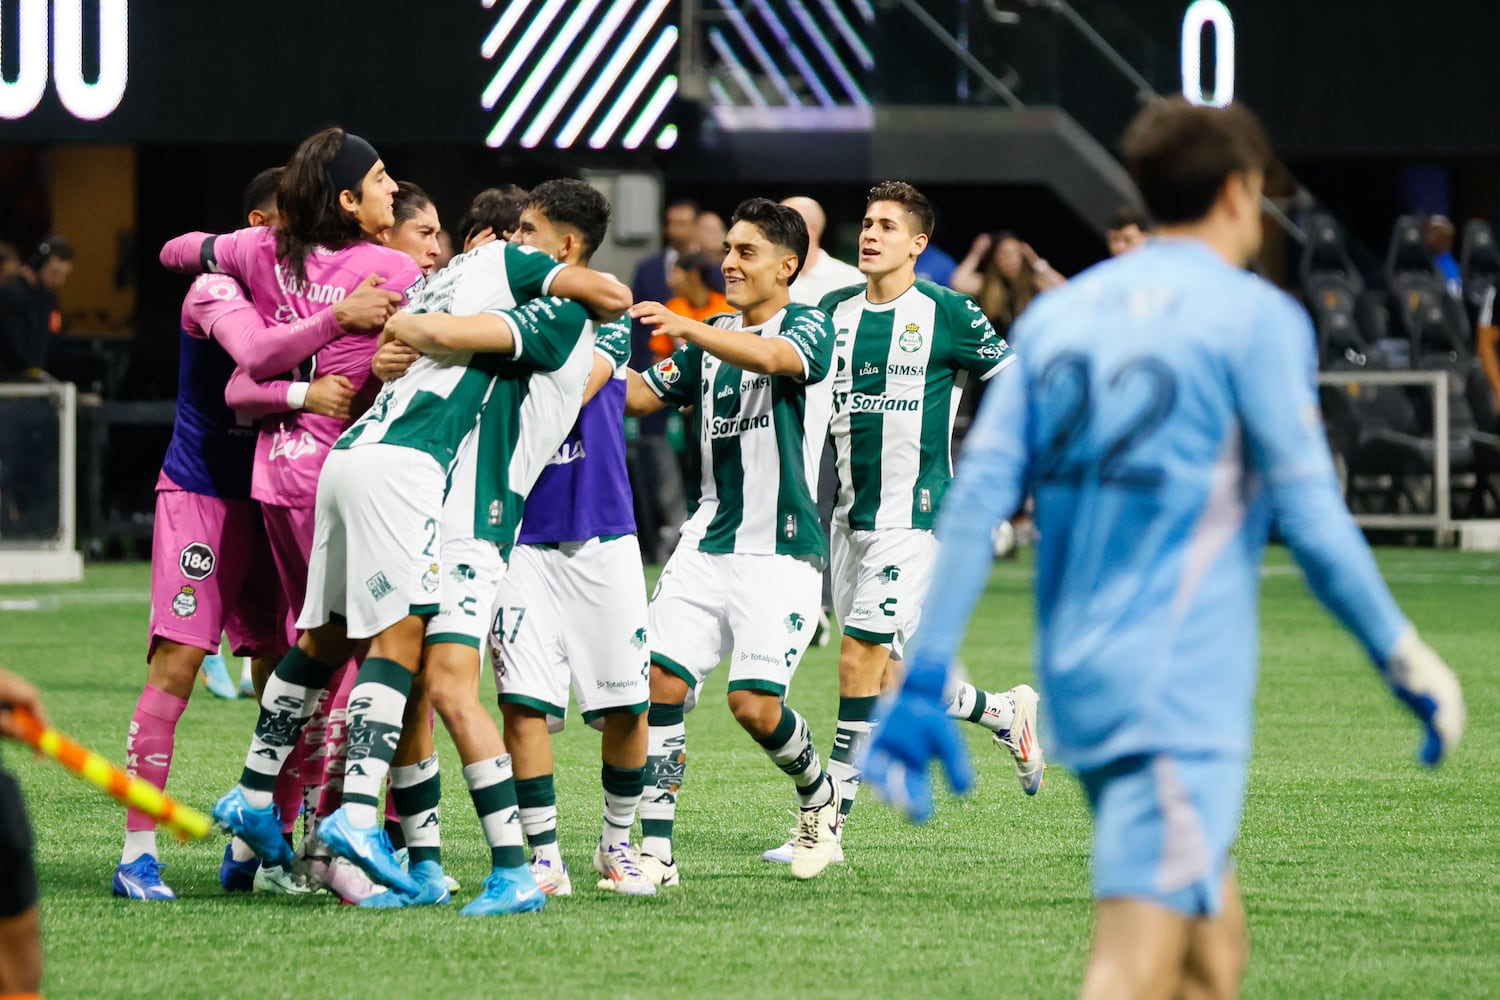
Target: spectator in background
column 10, row 261
column 1004, row 275
column 29, row 314
column 709, row 234
column 1128, row 228
column 680, row 235
column 821, row 272
column 1438, row 235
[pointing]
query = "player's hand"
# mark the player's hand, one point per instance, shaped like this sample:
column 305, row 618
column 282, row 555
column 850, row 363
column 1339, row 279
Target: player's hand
column 18, row 693
column 914, row 731
column 1425, row 684
column 480, row 238
column 366, row 309
column 330, row 396
column 663, row 321
column 392, row 360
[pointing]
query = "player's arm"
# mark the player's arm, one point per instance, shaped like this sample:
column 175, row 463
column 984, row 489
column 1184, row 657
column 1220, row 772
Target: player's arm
column 603, row 295
column 207, row 253
column 1277, row 404
column 749, row 351
column 329, row 396
column 672, row 381
column 611, row 354
column 486, row 332
column 640, row 399
column 16, row 692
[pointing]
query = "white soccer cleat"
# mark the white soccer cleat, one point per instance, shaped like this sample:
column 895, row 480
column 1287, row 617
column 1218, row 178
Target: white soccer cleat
column 1020, row 739
column 783, row 855
column 817, row 839
column 274, row 880
column 660, row 873
column 552, row 880
column 622, row 872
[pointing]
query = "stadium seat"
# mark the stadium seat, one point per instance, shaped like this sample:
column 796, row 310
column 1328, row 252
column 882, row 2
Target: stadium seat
column 1348, row 318
column 1479, row 263
column 1431, row 320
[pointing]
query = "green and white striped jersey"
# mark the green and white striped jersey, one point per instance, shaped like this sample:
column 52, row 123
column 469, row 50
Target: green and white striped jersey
column 760, row 436
column 535, row 401
column 434, row 405
column 898, row 375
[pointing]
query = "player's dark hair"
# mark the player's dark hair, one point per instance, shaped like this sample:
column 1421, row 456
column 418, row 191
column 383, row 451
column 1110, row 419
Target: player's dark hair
column 783, row 226
column 1180, row 155
column 577, row 206
column 497, row 209
column 698, row 263
column 1126, row 216
column 261, row 191
column 407, row 202
column 307, row 206
column 909, row 198
column 52, row 247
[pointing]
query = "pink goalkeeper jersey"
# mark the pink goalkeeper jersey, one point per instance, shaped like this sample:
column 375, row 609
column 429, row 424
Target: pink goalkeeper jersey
column 291, row 448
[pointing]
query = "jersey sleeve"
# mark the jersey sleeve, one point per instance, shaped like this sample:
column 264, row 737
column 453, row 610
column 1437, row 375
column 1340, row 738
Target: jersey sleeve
column 811, row 334
column 675, row 379
column 216, row 306
column 530, row 271
column 977, row 345
column 613, row 343
column 988, row 487
column 1275, row 397
column 546, row 331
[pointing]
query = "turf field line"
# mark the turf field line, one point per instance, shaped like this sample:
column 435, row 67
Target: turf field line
column 49, row 602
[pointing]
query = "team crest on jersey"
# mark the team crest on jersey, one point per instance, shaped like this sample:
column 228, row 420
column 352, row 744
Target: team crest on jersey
column 794, row 622
column 430, row 579
column 185, row 604
column 667, row 371
column 910, row 340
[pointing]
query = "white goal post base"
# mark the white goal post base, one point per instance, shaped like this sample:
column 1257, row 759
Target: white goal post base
column 40, row 566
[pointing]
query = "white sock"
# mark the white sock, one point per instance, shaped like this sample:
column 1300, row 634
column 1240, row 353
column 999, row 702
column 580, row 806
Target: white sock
column 138, row 842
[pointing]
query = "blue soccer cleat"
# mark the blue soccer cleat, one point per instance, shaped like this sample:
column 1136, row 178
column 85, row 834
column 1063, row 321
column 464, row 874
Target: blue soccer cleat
column 214, row 673
column 237, row 876
column 368, row 847
column 432, row 890
column 507, row 890
column 141, row 879
column 260, row 829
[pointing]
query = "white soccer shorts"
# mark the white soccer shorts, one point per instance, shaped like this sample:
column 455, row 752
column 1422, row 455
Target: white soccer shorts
column 472, row 571
column 376, row 539
column 760, row 608
column 880, row 579
column 575, row 611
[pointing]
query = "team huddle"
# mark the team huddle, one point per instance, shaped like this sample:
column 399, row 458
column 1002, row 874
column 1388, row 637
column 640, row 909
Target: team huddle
column 439, row 468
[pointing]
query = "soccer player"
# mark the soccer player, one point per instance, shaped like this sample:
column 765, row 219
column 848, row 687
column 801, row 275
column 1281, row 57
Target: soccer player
column 902, row 352
column 210, row 558
column 1163, row 412
column 573, row 604
column 376, row 572
column 746, row 577
column 416, row 227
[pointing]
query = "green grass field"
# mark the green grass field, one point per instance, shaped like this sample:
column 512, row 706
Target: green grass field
column 1364, row 876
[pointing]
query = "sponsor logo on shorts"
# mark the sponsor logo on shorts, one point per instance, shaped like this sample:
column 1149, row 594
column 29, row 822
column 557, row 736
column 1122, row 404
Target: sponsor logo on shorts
column 616, row 685
column 745, row 657
column 890, row 574
column 185, row 603
column 859, row 611
column 379, row 586
column 794, row 622
column 462, row 572
column 197, row 561
column 638, row 640
column 910, row 340
column 430, row 579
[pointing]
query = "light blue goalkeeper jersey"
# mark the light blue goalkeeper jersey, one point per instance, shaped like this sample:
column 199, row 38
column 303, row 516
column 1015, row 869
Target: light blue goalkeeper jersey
column 1162, row 411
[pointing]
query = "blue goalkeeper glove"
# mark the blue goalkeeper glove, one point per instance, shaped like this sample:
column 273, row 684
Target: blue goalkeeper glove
column 1423, row 683
column 914, row 730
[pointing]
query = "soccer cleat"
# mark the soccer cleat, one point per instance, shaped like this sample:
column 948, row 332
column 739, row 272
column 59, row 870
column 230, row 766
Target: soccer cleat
column 1020, row 739
column 431, row 890
column 214, row 674
column 274, row 880
column 237, row 876
column 507, row 890
column 403, row 858
column 817, row 839
column 260, row 829
column 141, row 879
column 660, row 873
column 553, row 880
column 622, row 872
column 783, row 855
column 368, row 847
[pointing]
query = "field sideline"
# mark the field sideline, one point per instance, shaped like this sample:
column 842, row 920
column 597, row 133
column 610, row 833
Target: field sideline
column 1363, row 875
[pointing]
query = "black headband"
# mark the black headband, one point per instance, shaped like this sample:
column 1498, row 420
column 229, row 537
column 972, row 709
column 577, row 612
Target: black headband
column 346, row 171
